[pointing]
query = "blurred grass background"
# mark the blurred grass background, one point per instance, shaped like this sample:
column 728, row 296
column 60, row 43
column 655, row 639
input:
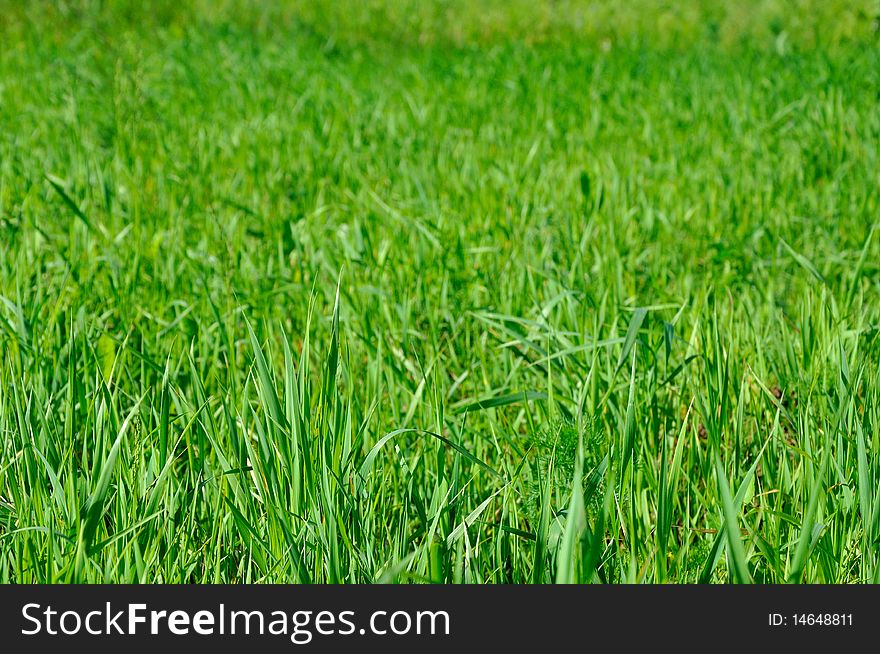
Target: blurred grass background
column 774, row 24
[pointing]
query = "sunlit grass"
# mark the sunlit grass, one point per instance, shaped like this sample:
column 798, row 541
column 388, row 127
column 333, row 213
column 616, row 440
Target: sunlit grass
column 276, row 306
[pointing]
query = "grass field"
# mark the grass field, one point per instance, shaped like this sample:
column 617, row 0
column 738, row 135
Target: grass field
column 439, row 292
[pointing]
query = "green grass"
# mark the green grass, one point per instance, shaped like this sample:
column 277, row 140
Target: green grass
column 290, row 299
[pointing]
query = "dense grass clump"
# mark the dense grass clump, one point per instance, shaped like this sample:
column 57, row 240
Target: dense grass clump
column 292, row 299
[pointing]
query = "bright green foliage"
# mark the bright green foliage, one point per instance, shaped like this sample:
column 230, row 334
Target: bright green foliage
column 424, row 295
